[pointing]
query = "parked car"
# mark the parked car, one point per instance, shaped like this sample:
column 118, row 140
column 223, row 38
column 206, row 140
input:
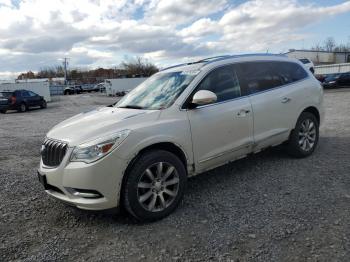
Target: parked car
column 71, row 90
column 20, row 100
column 100, row 87
column 337, row 80
column 181, row 122
column 308, row 64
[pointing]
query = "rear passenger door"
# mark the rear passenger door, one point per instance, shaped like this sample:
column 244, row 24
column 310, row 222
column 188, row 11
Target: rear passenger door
column 273, row 93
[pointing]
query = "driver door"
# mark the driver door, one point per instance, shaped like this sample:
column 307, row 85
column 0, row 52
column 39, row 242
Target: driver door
column 221, row 131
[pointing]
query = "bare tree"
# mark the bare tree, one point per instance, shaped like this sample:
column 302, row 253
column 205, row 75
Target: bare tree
column 317, row 47
column 139, row 67
column 329, row 44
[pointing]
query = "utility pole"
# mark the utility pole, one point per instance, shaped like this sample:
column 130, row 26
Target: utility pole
column 65, row 65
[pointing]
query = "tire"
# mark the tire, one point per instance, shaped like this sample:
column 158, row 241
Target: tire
column 43, row 104
column 147, row 201
column 3, row 111
column 22, row 108
column 304, row 138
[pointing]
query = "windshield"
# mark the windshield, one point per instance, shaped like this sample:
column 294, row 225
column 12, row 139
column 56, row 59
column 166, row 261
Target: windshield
column 158, row 92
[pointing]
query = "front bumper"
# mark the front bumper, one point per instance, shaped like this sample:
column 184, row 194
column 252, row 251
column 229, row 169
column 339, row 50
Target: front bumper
column 103, row 176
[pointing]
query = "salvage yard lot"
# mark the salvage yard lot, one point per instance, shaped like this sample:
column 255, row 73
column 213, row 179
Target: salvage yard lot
column 267, row 207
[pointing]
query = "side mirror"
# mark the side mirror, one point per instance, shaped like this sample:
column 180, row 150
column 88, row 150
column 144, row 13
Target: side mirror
column 204, row 97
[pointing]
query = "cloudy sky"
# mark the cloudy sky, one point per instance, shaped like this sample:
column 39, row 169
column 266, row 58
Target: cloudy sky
column 92, row 33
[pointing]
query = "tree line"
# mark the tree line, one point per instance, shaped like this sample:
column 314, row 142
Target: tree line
column 137, row 67
column 330, row 45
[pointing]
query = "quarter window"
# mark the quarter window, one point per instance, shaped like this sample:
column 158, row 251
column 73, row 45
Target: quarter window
column 289, row 72
column 223, row 82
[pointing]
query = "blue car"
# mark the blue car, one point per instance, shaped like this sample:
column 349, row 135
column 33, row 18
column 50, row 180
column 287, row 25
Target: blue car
column 20, row 100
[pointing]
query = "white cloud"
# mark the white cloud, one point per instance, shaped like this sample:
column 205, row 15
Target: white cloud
column 178, row 12
column 36, row 33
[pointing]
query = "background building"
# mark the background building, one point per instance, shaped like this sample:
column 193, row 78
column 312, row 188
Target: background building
column 320, row 57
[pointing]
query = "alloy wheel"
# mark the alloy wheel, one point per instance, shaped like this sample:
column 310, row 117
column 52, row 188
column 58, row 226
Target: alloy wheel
column 158, row 186
column 307, row 135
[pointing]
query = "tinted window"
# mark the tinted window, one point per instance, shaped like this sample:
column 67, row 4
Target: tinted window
column 288, row 72
column 32, row 93
column 257, row 76
column 260, row 76
column 223, row 82
column 25, row 93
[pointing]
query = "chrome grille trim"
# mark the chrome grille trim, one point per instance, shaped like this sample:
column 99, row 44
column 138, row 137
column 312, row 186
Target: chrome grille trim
column 53, row 152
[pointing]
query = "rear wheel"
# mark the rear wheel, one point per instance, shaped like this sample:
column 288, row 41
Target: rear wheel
column 3, row 111
column 23, row 107
column 304, row 138
column 43, row 104
column 154, row 186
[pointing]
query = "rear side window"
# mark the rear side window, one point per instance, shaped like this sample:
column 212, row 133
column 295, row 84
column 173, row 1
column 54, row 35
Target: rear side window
column 256, row 77
column 223, row 82
column 25, row 93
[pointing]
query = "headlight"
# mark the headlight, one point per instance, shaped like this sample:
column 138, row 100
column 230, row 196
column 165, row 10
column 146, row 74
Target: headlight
column 332, row 82
column 98, row 148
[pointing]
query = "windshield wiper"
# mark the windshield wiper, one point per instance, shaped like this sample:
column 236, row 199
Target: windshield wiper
column 131, row 106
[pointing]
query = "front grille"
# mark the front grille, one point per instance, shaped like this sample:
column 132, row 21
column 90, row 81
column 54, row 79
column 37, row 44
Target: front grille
column 53, row 152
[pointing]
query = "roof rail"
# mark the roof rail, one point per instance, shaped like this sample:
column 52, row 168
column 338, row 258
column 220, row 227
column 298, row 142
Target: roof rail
column 209, row 60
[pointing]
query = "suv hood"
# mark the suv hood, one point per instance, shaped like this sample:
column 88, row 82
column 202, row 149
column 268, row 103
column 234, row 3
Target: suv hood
column 95, row 123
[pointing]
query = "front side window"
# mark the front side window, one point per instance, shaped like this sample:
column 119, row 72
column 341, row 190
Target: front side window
column 32, row 93
column 223, row 82
column 159, row 91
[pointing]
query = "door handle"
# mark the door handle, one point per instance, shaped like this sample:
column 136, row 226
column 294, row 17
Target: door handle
column 243, row 112
column 285, row 100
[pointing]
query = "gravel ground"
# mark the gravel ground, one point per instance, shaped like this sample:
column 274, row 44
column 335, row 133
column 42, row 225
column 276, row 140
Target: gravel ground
column 267, row 207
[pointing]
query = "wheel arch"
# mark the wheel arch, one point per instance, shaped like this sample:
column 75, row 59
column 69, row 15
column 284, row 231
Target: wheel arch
column 313, row 110
column 166, row 146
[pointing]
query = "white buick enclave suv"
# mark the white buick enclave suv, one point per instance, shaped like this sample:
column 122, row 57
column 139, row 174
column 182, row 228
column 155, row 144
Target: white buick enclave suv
column 180, row 122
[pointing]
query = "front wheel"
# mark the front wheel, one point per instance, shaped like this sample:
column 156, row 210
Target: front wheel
column 304, row 138
column 154, row 185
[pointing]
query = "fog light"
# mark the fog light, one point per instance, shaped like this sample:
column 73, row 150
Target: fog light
column 84, row 193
